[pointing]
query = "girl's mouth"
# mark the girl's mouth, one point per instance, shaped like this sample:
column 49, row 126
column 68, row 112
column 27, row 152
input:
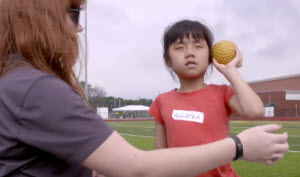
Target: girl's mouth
column 190, row 63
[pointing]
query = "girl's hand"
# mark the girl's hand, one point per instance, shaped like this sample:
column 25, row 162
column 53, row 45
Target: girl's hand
column 235, row 63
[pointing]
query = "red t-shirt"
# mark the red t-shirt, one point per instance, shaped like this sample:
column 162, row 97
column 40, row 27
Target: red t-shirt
column 196, row 118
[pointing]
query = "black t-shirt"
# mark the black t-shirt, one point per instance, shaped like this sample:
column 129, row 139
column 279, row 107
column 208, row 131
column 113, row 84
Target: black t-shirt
column 46, row 130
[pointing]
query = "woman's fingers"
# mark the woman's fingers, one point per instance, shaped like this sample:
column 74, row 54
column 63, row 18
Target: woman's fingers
column 280, row 138
column 271, row 128
column 281, row 148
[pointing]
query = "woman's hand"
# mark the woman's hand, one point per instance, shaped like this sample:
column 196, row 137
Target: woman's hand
column 262, row 145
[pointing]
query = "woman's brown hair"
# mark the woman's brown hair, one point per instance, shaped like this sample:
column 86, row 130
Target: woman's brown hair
column 38, row 31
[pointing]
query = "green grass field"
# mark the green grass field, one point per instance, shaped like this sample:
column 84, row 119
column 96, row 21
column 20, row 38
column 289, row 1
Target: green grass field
column 141, row 134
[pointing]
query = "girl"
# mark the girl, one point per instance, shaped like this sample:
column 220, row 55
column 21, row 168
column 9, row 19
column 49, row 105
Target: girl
column 46, row 127
column 197, row 113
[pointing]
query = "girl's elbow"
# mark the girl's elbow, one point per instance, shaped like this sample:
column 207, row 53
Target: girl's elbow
column 260, row 112
column 257, row 113
column 253, row 113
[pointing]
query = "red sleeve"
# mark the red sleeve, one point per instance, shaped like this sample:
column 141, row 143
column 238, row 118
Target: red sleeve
column 155, row 111
column 228, row 93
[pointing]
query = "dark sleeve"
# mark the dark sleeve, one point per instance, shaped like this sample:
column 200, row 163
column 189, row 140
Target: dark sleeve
column 55, row 119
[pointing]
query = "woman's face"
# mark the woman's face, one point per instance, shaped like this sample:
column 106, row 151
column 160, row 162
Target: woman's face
column 77, row 27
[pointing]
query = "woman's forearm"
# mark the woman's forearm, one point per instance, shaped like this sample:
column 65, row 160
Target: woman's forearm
column 180, row 162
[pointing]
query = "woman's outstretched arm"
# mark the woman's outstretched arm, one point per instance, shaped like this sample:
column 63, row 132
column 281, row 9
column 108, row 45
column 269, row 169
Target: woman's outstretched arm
column 116, row 157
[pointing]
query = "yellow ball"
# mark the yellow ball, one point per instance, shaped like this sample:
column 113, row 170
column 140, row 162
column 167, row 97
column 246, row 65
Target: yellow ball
column 224, row 51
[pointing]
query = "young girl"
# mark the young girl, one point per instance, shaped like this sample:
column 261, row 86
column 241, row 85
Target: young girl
column 197, row 113
column 47, row 129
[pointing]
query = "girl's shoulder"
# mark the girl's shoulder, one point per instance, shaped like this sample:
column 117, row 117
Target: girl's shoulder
column 218, row 87
column 167, row 94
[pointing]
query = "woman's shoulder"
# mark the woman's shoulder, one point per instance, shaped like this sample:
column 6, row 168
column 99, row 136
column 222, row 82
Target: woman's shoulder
column 22, row 76
column 21, row 79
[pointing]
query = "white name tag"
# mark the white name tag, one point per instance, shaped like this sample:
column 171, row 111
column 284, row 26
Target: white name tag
column 192, row 116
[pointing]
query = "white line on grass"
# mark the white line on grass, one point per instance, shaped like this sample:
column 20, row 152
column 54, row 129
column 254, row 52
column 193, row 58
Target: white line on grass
column 295, row 151
column 232, row 126
column 137, row 135
column 239, row 127
column 154, row 137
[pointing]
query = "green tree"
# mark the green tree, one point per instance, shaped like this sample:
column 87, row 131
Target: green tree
column 97, row 98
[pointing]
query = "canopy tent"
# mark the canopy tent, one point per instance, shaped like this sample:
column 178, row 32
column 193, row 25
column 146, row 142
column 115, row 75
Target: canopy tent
column 271, row 105
column 132, row 108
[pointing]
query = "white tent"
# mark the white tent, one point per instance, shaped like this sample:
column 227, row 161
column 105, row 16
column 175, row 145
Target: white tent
column 132, row 108
column 136, row 109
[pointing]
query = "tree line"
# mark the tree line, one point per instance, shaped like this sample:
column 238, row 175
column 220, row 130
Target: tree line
column 97, row 98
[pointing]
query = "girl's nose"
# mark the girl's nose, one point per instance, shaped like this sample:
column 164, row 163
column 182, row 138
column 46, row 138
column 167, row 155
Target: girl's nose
column 189, row 52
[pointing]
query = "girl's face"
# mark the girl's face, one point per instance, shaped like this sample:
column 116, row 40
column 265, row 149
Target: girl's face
column 189, row 58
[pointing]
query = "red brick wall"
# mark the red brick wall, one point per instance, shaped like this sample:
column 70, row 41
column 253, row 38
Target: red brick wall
column 274, row 91
column 292, row 83
column 285, row 107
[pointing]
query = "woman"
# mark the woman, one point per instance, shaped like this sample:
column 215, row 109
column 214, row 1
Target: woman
column 48, row 129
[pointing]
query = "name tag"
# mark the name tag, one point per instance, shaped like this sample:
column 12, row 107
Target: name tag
column 192, row 116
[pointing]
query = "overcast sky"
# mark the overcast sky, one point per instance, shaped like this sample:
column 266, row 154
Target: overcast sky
column 125, row 48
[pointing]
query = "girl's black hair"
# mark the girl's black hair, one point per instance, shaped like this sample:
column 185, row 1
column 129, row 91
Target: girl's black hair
column 182, row 29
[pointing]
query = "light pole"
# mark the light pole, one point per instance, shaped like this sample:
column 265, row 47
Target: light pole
column 86, row 53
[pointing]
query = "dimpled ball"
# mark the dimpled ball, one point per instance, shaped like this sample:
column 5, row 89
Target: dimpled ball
column 224, row 51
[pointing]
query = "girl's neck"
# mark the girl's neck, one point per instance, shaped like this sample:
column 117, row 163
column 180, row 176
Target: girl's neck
column 189, row 85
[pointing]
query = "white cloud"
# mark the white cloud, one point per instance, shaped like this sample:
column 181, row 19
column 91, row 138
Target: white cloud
column 125, row 51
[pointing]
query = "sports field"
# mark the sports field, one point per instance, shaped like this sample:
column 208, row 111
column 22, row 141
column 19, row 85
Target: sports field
column 141, row 134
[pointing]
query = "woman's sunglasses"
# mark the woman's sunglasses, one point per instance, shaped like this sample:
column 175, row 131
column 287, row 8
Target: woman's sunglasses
column 74, row 14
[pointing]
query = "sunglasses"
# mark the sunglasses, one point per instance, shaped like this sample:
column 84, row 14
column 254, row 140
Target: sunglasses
column 74, row 14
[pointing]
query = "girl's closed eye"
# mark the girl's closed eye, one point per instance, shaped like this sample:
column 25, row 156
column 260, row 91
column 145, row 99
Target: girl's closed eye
column 199, row 44
column 178, row 48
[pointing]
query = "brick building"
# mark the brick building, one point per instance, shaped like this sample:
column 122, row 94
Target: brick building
column 281, row 95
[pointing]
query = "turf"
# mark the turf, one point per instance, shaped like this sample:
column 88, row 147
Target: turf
column 141, row 134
